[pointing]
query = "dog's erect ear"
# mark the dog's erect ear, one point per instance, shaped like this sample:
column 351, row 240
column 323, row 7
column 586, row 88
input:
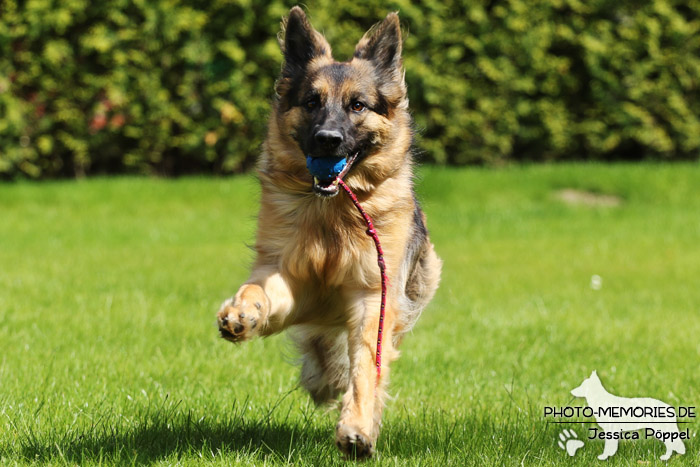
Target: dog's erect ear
column 594, row 374
column 382, row 46
column 300, row 43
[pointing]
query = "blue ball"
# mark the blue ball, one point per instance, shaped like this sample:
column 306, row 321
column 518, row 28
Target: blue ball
column 325, row 168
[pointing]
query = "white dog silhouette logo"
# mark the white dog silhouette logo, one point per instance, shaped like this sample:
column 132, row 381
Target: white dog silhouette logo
column 617, row 416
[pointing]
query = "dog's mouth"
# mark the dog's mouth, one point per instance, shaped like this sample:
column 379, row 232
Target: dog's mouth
column 325, row 181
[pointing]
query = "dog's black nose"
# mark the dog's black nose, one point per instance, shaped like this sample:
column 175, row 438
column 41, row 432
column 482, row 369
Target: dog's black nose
column 329, row 139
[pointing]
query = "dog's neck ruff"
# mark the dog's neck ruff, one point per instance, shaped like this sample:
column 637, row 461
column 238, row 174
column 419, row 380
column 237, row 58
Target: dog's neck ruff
column 382, row 269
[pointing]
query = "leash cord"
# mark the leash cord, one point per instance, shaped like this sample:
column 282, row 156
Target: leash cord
column 382, row 269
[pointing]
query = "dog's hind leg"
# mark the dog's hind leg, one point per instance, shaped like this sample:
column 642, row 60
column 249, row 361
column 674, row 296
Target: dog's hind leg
column 679, row 446
column 669, row 452
column 325, row 363
column 676, row 445
column 260, row 307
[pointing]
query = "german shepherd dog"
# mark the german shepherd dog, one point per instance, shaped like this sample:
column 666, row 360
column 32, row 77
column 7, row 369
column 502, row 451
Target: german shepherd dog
column 316, row 267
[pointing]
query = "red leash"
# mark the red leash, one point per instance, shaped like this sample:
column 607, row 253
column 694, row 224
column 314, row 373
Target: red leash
column 382, row 269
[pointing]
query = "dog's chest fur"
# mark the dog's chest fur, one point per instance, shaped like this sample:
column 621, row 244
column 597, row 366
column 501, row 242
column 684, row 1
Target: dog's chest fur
column 322, row 242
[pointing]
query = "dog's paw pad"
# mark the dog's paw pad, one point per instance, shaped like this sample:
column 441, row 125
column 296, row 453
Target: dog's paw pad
column 238, row 320
column 569, row 442
column 353, row 443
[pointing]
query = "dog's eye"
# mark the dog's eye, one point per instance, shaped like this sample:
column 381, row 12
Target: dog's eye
column 357, row 106
column 312, row 103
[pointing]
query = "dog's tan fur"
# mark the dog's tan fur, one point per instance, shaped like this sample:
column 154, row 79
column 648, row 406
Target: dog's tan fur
column 316, row 269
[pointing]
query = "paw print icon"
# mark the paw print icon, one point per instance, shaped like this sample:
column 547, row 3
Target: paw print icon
column 569, row 442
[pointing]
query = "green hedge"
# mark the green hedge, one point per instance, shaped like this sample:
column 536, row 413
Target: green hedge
column 169, row 86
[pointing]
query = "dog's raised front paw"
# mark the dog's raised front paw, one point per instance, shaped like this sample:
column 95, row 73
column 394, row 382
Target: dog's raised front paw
column 353, row 443
column 239, row 317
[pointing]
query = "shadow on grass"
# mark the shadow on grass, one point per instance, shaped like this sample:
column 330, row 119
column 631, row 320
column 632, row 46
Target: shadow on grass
column 278, row 435
column 291, row 435
column 155, row 435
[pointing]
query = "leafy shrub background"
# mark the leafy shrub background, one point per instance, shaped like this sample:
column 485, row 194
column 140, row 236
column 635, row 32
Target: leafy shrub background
column 169, row 86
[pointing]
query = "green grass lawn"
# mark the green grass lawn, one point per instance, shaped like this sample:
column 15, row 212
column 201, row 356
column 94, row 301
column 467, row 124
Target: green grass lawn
column 110, row 355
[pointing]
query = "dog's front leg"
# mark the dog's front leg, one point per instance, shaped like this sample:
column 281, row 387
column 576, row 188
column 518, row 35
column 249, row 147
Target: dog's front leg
column 259, row 307
column 609, row 449
column 362, row 404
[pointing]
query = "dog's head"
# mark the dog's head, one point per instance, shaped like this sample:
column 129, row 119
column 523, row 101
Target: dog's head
column 588, row 384
column 339, row 115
